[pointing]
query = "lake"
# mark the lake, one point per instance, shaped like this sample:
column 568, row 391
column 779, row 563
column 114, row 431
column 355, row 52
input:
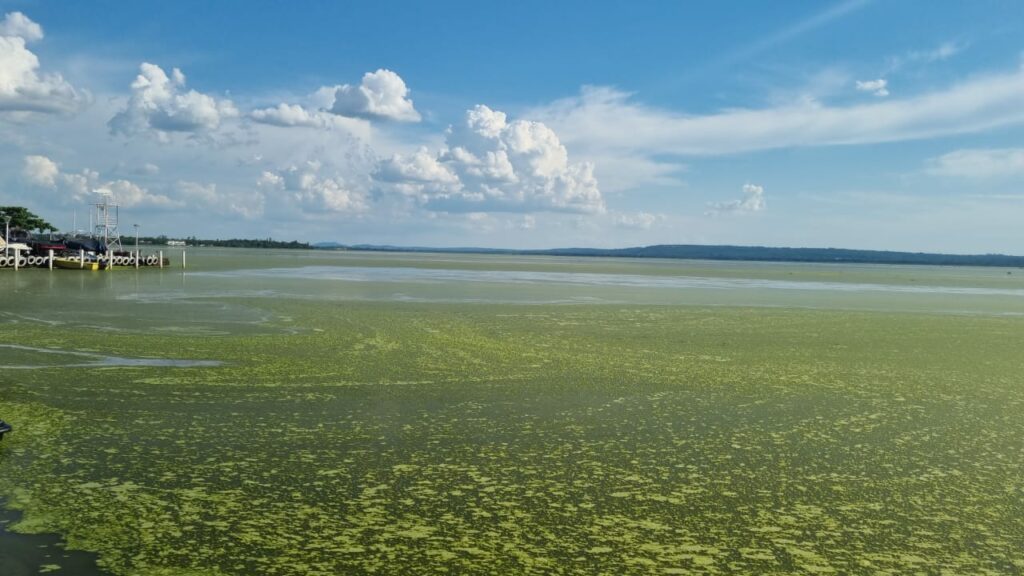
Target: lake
column 311, row 412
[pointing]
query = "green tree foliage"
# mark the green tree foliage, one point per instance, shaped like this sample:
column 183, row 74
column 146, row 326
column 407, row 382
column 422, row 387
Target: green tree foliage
column 23, row 218
column 230, row 243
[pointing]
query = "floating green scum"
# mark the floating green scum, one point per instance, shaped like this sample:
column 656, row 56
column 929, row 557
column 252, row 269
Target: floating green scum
column 350, row 431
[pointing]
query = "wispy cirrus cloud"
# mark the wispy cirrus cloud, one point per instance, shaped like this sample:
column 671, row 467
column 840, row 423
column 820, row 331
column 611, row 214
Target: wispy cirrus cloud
column 943, row 51
column 979, row 163
column 813, row 22
column 609, row 121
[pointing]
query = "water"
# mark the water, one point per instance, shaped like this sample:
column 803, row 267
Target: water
column 55, row 358
column 220, row 292
column 31, row 554
column 333, row 408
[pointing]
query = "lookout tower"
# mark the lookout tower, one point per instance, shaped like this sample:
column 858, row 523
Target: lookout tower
column 105, row 214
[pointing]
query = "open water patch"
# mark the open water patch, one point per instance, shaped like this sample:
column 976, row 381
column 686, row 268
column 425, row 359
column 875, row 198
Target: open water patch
column 31, row 554
column 17, row 357
column 443, row 276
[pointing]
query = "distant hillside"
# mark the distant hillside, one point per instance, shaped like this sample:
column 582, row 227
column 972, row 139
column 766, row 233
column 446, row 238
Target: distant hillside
column 747, row 253
column 767, row 254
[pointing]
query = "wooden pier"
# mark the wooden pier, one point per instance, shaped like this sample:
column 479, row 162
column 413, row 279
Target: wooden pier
column 18, row 259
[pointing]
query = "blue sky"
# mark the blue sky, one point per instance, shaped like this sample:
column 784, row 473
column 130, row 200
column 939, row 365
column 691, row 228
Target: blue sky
column 890, row 125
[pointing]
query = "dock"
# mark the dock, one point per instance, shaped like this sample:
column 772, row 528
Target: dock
column 17, row 259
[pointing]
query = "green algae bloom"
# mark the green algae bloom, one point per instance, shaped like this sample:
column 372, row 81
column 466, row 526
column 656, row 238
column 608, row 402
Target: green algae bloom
column 384, row 425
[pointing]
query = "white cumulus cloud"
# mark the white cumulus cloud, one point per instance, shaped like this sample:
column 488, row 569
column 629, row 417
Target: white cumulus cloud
column 491, row 164
column 295, row 115
column 381, row 95
column 77, row 187
column 422, row 167
column 159, row 105
column 21, row 26
column 22, row 87
column 876, row 87
column 40, row 171
column 753, row 201
column 304, row 188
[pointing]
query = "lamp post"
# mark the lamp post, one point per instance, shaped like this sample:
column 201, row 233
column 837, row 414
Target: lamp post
column 136, row 226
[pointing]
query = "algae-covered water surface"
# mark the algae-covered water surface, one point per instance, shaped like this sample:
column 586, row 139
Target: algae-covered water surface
column 331, row 413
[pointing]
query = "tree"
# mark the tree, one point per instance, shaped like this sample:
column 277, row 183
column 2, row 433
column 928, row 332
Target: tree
column 22, row 218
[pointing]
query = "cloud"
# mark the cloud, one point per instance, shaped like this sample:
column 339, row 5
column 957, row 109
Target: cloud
column 159, row 106
column 285, row 115
column 944, row 51
column 20, row 26
column 420, row 168
column 294, row 115
column 753, row 201
column 248, row 204
column 979, row 163
column 42, row 172
column 22, row 87
column 876, row 87
column 608, row 120
column 382, row 95
column 638, row 221
column 304, row 188
column 489, row 163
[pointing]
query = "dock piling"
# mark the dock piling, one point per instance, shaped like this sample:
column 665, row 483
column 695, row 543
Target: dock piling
column 49, row 260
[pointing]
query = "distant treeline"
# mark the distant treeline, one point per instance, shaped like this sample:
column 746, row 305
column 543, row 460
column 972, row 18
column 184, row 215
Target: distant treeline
column 747, row 253
column 231, row 243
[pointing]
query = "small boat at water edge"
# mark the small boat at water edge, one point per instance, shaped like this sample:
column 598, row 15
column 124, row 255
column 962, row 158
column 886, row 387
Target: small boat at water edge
column 76, row 264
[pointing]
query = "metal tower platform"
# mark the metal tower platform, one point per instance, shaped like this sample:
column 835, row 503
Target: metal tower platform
column 104, row 217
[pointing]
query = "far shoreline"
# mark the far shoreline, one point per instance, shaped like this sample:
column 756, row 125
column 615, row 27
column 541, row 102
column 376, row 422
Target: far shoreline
column 721, row 253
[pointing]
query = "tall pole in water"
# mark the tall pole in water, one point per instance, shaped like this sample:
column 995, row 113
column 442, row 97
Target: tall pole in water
column 136, row 245
column 7, row 236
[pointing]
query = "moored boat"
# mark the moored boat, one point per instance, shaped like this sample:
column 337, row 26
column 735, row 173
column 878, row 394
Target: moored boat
column 73, row 263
